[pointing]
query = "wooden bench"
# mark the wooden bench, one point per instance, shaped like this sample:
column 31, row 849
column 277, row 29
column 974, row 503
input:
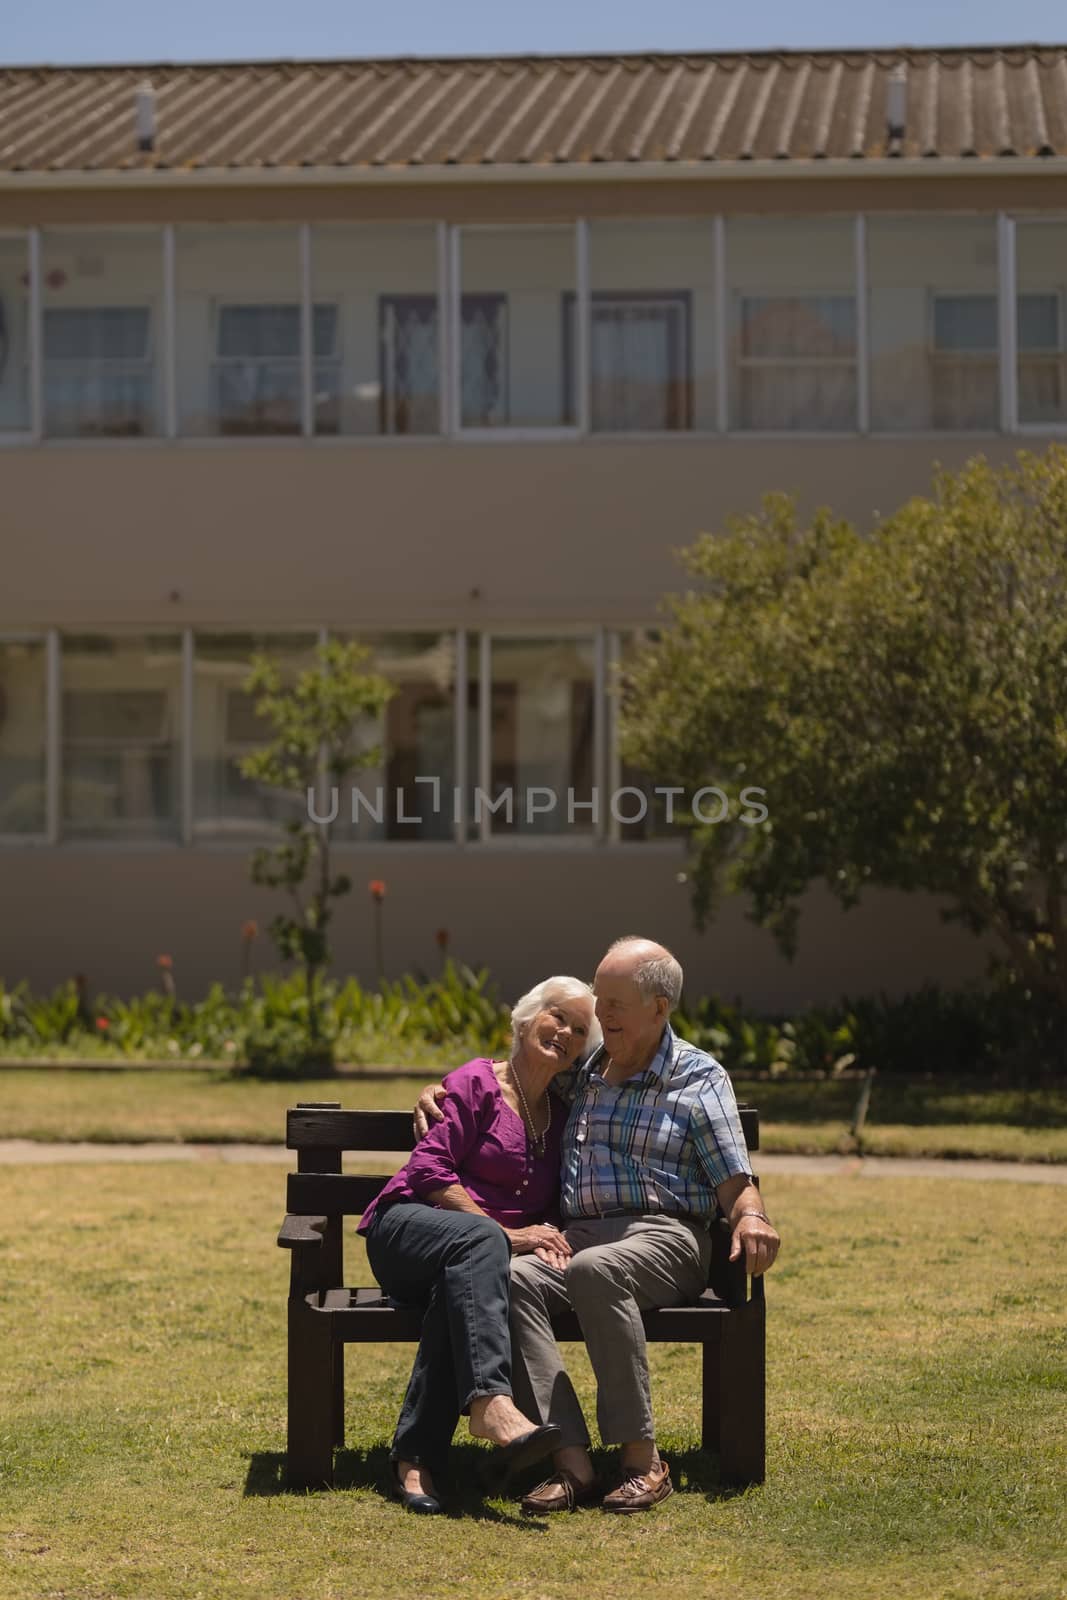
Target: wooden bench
column 728, row 1321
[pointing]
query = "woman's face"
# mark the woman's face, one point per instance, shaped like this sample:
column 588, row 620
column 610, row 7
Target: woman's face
column 558, row 1034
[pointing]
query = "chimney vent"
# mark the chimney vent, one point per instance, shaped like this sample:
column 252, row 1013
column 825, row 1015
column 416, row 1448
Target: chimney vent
column 896, row 104
column 146, row 117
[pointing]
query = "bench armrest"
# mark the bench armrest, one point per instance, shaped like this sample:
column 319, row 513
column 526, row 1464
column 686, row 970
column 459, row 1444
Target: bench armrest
column 301, row 1230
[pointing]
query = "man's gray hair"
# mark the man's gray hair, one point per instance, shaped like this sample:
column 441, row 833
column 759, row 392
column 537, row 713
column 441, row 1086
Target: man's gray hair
column 551, row 992
column 658, row 975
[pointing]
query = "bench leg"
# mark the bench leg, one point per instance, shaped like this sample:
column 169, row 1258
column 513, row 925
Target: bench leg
column 338, row 1394
column 734, row 1402
column 312, row 1399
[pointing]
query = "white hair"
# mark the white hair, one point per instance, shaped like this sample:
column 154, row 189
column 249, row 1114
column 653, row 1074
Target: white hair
column 550, row 992
column 656, row 975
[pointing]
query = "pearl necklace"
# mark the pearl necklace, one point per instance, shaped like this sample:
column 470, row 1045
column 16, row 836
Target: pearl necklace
column 538, row 1140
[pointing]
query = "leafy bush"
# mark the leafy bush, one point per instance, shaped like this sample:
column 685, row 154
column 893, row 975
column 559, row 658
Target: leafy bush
column 262, row 1028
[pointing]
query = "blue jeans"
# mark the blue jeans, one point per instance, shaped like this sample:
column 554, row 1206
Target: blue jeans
column 456, row 1267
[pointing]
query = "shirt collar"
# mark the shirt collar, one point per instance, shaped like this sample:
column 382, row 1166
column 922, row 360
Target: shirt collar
column 659, row 1068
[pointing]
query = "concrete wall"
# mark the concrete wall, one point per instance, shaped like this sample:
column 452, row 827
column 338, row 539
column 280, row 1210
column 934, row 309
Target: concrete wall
column 109, row 913
column 299, row 532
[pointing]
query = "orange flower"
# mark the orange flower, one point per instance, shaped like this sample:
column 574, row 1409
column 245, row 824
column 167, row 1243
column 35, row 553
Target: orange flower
column 377, row 889
column 103, row 1024
column 249, row 930
column 166, row 962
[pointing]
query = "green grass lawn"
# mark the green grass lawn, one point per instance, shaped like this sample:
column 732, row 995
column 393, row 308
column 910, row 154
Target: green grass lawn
column 206, row 1104
column 916, row 1413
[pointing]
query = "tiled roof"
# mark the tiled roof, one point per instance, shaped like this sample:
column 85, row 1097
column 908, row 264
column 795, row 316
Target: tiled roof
column 538, row 111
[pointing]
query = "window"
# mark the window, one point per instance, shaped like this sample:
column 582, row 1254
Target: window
column 541, row 716
column 97, row 372
column 967, row 366
column 259, row 372
column 933, row 323
column 14, row 334
column 511, row 358
column 121, row 711
column 1041, row 270
column 384, row 282
column 793, row 309
column 226, row 728
column 102, row 299
column 22, row 736
column 238, row 353
column 416, row 737
column 640, row 361
column 653, row 354
column 797, row 363
column 408, row 341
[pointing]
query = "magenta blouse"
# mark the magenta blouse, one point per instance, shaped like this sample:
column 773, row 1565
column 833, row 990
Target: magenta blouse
column 482, row 1144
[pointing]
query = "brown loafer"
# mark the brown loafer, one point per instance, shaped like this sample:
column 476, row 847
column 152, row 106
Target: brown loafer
column 640, row 1492
column 562, row 1492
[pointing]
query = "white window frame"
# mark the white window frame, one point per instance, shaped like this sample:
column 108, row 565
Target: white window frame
column 509, row 434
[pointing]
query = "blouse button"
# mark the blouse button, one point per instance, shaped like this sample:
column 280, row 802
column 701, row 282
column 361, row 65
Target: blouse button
column 525, row 1181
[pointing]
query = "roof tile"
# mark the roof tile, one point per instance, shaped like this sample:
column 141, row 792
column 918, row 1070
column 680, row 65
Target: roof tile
column 761, row 107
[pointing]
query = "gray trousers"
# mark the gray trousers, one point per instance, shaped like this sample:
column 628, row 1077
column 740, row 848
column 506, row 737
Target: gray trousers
column 621, row 1266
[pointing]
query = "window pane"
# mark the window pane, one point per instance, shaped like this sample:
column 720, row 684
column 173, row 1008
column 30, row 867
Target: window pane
column 121, row 733
column 1042, row 273
column 382, row 376
column 22, row 736
column 515, row 283
column 102, row 297
column 650, row 815
column 792, row 304
column 652, row 327
column 933, row 323
column 14, row 335
column 415, row 735
column 238, row 330
column 226, row 728
column 542, row 734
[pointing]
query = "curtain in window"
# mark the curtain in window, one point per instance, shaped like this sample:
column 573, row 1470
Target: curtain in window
column 639, row 365
column 97, row 371
column 797, row 364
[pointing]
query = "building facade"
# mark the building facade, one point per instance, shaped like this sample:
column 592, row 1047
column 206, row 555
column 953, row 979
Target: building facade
column 450, row 357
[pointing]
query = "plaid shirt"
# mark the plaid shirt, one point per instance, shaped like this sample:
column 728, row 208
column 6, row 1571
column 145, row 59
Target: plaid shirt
column 662, row 1141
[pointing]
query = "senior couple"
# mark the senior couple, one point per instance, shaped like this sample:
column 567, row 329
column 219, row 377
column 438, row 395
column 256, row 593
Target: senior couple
column 583, row 1173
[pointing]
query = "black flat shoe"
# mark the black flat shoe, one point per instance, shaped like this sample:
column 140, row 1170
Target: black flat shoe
column 528, row 1447
column 424, row 1505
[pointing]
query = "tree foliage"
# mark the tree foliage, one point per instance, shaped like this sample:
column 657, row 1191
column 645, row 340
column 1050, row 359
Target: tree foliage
column 319, row 723
column 902, row 698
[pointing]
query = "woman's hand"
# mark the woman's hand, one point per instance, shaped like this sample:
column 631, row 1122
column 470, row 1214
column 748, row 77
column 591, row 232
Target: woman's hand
column 539, row 1236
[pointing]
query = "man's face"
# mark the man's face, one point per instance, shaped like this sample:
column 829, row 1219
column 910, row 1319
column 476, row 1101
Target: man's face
column 632, row 1024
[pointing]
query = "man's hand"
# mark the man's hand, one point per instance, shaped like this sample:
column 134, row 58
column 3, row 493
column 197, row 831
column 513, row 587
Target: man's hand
column 541, row 1236
column 758, row 1240
column 426, row 1111
column 741, row 1202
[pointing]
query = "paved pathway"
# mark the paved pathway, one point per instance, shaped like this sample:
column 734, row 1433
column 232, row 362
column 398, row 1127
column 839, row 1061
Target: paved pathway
column 29, row 1152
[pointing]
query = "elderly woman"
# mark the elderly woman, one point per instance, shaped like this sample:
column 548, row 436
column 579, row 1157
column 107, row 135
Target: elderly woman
column 481, row 1186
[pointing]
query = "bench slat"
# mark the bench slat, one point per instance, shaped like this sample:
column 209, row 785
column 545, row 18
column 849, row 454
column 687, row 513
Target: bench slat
column 349, row 1130
column 347, row 1194
column 391, row 1130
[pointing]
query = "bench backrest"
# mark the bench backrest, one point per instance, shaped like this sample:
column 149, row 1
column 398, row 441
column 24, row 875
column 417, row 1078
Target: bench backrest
column 321, row 1132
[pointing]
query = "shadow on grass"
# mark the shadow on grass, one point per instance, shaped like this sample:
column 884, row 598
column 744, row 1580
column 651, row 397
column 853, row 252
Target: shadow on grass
column 473, row 1490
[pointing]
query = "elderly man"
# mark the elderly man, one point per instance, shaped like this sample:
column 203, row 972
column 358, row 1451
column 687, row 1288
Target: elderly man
column 653, row 1150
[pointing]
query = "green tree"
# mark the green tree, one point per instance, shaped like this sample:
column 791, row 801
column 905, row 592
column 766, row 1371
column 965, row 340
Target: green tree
column 319, row 723
column 902, row 698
